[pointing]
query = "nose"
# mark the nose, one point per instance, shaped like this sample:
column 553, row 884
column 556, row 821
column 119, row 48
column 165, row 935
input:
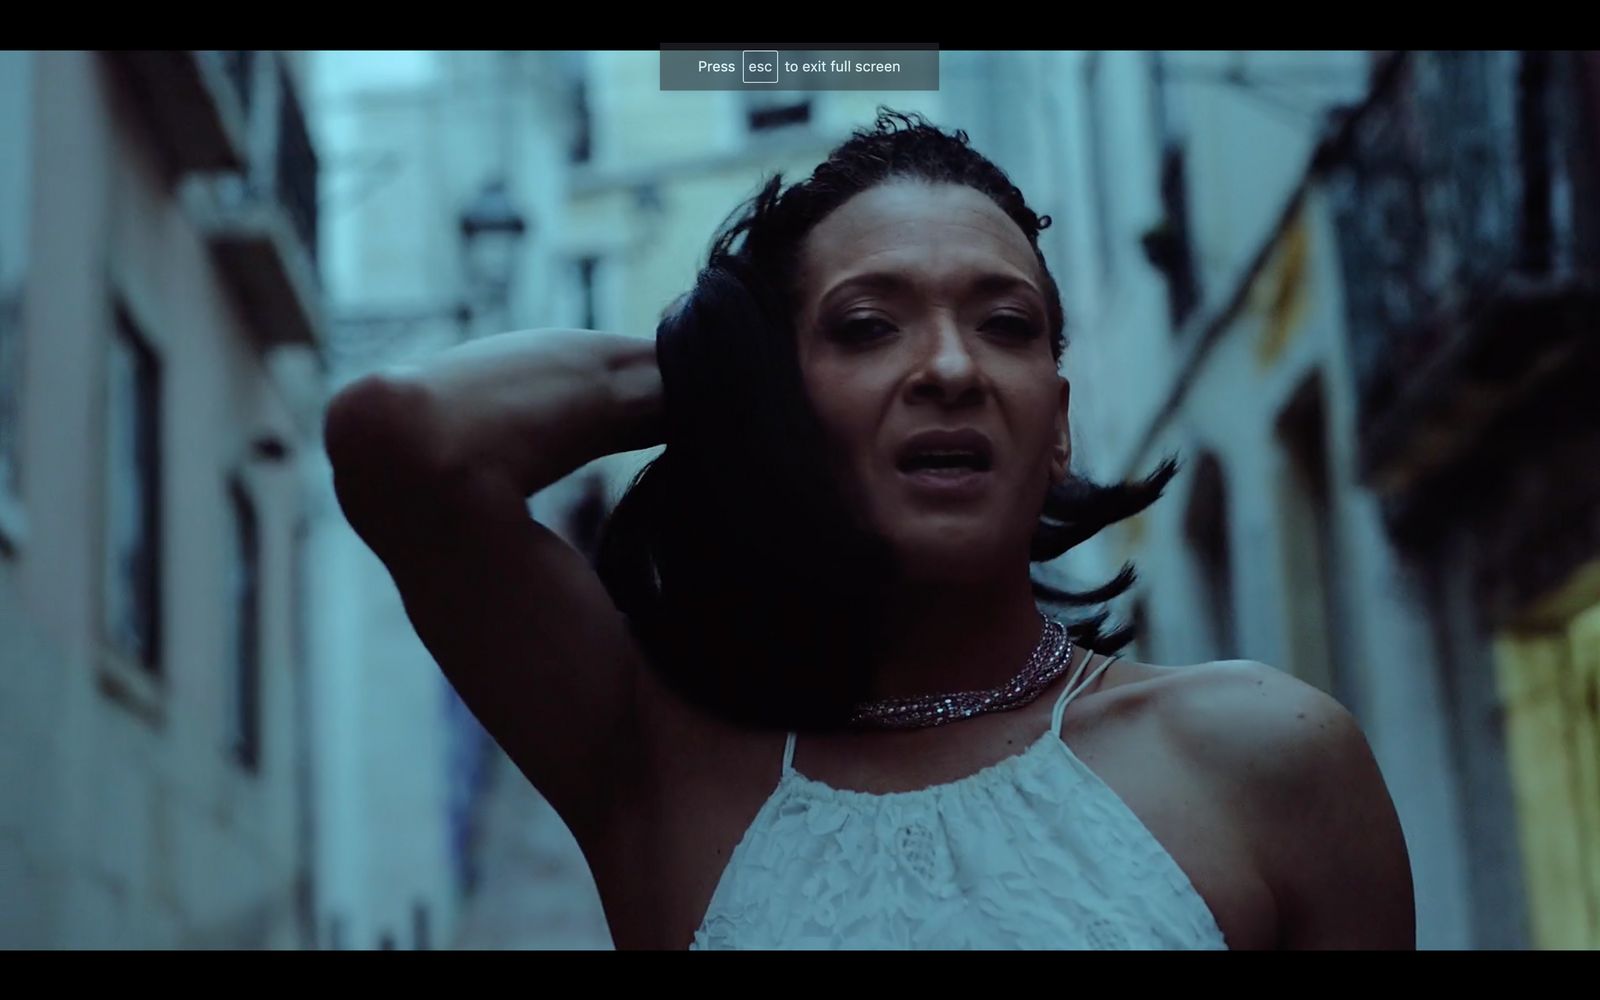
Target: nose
column 946, row 367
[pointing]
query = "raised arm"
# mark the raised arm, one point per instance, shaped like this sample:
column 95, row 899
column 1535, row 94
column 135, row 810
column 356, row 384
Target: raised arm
column 433, row 464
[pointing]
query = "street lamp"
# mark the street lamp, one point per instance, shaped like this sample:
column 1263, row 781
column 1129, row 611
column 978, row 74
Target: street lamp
column 491, row 231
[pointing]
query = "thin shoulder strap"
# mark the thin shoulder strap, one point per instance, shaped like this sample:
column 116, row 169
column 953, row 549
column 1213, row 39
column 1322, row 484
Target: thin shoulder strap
column 1074, row 688
column 788, row 755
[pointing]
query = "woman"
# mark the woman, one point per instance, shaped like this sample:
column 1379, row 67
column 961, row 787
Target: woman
column 806, row 696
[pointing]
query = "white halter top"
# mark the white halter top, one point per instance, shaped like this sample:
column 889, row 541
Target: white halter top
column 1035, row 852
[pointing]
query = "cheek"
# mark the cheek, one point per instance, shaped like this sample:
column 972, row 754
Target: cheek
column 1038, row 441
column 843, row 405
column 845, row 416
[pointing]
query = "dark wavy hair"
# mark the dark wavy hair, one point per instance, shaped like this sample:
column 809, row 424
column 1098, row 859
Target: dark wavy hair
column 747, row 579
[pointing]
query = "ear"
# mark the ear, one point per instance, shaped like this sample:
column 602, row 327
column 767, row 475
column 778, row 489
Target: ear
column 1061, row 455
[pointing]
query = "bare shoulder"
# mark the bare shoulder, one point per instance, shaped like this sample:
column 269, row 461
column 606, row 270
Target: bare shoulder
column 1253, row 720
column 1254, row 728
column 1298, row 772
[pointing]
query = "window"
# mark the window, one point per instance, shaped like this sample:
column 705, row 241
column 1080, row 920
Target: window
column 583, row 123
column 305, row 780
column 10, row 409
column 1548, row 676
column 296, row 167
column 769, row 112
column 767, row 117
column 1099, row 161
column 240, row 65
column 246, row 601
column 300, row 597
column 16, row 124
column 1206, row 525
column 588, row 310
column 421, row 936
column 1170, row 245
column 776, row 110
column 132, row 571
column 1316, row 622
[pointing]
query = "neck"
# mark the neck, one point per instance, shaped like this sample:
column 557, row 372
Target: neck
column 957, row 637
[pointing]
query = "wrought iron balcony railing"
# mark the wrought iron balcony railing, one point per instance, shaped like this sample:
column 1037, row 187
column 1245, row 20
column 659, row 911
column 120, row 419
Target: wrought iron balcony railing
column 1465, row 201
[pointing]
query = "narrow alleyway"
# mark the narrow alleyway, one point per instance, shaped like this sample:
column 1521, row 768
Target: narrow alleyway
column 534, row 890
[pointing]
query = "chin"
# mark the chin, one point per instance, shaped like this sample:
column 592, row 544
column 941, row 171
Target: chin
column 947, row 558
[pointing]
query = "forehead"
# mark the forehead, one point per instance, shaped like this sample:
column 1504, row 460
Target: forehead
column 932, row 229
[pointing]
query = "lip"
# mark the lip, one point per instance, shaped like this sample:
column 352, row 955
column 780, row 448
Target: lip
column 947, row 439
column 966, row 484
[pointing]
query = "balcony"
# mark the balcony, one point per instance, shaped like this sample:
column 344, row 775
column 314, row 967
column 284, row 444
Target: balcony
column 196, row 102
column 261, row 221
column 1466, row 198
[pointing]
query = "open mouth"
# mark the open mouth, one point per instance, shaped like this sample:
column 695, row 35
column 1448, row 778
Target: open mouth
column 944, row 452
column 946, row 464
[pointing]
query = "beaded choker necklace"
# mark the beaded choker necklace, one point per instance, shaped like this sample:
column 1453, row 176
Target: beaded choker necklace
column 1049, row 661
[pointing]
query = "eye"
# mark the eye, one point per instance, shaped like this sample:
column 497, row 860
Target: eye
column 1013, row 325
column 860, row 329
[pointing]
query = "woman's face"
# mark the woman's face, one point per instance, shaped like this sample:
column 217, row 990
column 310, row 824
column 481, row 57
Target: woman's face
column 922, row 308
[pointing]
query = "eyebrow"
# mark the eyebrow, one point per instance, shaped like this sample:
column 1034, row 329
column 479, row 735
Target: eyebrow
column 891, row 282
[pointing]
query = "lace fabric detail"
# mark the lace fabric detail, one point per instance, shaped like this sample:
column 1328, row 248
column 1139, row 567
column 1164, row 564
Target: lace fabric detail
column 1035, row 852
